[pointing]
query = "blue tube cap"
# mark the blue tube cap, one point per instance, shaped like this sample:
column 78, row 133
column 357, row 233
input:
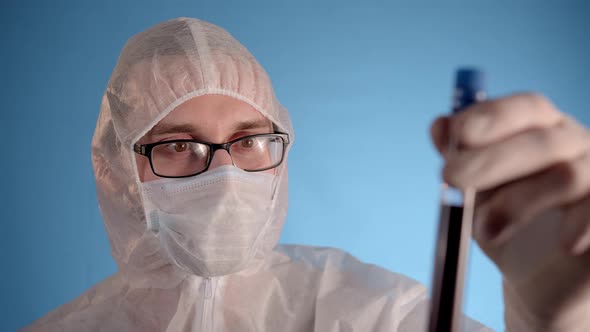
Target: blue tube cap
column 470, row 87
column 470, row 79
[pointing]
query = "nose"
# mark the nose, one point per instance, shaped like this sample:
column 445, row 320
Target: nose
column 220, row 157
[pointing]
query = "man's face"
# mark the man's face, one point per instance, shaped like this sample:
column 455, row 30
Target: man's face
column 209, row 118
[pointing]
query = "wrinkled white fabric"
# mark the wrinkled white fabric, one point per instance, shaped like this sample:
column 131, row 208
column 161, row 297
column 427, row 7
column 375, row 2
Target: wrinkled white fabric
column 281, row 288
column 208, row 225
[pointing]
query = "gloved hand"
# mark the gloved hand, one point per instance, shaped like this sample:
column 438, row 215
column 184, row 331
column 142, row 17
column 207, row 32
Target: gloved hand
column 530, row 164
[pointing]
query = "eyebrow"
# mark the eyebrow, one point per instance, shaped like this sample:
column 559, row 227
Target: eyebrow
column 253, row 124
column 164, row 128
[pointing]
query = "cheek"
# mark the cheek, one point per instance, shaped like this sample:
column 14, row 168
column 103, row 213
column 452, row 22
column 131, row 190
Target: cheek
column 144, row 170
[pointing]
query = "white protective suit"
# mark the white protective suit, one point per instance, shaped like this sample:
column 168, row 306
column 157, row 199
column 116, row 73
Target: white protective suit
column 283, row 287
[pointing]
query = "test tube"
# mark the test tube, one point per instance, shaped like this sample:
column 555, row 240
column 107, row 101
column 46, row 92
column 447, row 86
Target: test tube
column 455, row 223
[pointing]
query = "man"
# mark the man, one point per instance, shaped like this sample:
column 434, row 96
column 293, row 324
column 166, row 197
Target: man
column 190, row 158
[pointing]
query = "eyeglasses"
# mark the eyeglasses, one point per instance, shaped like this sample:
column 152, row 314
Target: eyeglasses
column 185, row 157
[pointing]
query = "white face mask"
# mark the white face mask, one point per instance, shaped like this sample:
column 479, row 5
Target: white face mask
column 209, row 224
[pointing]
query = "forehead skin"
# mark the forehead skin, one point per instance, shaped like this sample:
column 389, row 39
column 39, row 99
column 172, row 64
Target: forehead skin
column 210, row 118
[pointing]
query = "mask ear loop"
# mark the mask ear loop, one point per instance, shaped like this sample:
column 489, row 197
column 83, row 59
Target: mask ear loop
column 275, row 182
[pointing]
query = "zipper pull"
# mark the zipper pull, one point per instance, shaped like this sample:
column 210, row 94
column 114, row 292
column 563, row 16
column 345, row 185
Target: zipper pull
column 208, row 288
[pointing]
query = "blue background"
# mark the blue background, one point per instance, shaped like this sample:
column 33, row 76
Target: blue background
column 363, row 81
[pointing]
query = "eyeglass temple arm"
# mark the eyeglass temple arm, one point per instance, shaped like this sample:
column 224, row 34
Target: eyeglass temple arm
column 139, row 149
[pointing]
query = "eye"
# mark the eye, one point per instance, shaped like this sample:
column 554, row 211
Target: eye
column 247, row 143
column 179, row 146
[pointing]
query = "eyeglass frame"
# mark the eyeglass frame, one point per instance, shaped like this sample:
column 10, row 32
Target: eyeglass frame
column 146, row 150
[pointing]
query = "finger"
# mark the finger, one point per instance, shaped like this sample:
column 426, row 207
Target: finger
column 516, row 157
column 439, row 132
column 493, row 120
column 575, row 234
column 513, row 205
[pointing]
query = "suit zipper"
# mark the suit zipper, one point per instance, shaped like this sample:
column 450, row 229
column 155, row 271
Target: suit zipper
column 208, row 290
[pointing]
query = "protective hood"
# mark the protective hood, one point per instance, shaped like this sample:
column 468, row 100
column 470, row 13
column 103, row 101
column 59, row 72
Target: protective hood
column 158, row 70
